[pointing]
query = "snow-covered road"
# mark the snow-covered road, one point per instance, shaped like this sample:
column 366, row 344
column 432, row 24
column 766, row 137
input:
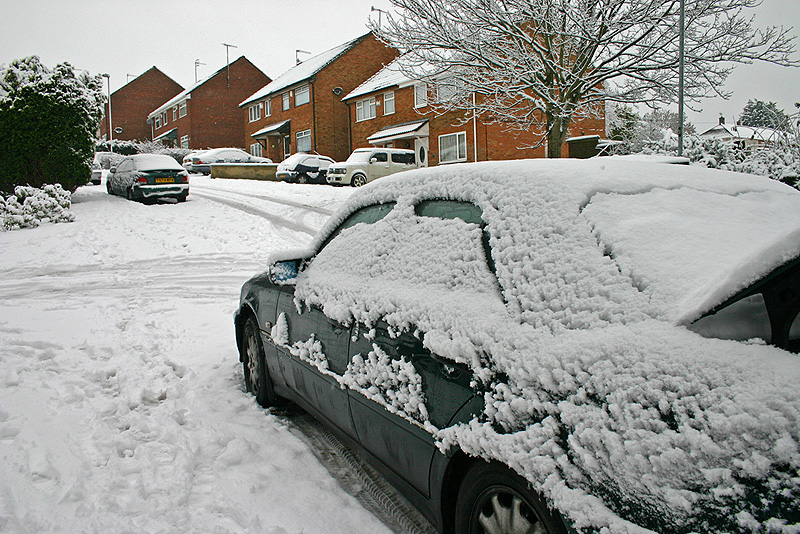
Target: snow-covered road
column 121, row 399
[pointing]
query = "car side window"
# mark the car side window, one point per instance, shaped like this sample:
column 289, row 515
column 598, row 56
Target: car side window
column 367, row 215
column 381, row 157
column 457, row 209
column 404, row 159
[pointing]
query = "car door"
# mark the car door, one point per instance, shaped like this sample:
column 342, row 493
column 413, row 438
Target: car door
column 400, row 444
column 119, row 182
column 313, row 358
column 379, row 165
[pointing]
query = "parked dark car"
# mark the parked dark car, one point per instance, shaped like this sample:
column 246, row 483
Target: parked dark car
column 147, row 177
column 202, row 161
column 97, row 173
column 304, row 168
column 551, row 346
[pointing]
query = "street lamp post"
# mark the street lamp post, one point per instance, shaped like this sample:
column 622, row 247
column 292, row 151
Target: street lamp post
column 228, row 61
column 681, row 44
column 110, row 131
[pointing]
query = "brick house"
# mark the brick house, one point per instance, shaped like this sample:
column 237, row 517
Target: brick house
column 302, row 110
column 206, row 115
column 391, row 110
column 131, row 103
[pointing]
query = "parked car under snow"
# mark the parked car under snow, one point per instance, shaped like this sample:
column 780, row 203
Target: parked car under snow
column 148, row 177
column 593, row 345
column 201, row 162
column 304, row 168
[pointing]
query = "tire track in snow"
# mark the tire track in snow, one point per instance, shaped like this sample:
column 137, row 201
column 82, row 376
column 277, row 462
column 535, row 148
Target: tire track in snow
column 252, row 210
column 277, row 200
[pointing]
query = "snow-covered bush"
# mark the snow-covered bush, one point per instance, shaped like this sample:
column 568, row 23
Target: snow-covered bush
column 128, row 148
column 29, row 207
column 48, row 120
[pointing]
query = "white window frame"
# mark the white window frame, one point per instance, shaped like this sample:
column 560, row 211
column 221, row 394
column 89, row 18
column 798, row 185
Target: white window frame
column 303, row 92
column 268, row 107
column 182, row 109
column 164, row 118
column 255, row 112
column 366, row 109
column 285, row 99
column 305, row 137
column 388, row 103
column 157, row 123
column 185, row 141
column 256, row 150
column 420, row 95
column 460, row 147
column 174, row 113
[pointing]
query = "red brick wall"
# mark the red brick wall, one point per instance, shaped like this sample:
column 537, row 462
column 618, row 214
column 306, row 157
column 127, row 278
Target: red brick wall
column 132, row 103
column 214, row 119
column 494, row 141
column 325, row 115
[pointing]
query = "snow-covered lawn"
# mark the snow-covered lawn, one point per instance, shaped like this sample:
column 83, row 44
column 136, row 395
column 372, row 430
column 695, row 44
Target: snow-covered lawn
column 121, row 400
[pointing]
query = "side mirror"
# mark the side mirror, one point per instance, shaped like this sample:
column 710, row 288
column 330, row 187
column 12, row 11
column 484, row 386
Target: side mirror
column 284, row 272
column 112, row 170
column 373, row 160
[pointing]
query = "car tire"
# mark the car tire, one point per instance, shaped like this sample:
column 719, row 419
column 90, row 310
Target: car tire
column 494, row 499
column 182, row 198
column 256, row 373
column 129, row 194
column 358, row 180
column 302, row 178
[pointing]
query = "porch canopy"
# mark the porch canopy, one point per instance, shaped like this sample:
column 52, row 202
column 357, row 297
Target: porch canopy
column 407, row 130
column 170, row 135
column 280, row 129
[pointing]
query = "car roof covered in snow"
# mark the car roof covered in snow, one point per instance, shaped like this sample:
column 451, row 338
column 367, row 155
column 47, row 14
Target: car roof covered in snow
column 687, row 238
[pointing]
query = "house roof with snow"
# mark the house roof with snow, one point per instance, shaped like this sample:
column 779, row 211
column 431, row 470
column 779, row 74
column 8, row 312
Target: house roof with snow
column 186, row 94
column 392, row 75
column 741, row 132
column 303, row 71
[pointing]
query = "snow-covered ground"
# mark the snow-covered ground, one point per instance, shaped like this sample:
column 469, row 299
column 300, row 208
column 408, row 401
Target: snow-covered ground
column 122, row 407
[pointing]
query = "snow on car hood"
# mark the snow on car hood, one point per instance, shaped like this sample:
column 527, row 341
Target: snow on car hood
column 625, row 420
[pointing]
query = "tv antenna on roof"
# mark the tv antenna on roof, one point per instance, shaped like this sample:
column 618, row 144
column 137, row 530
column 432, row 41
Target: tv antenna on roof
column 228, row 61
column 297, row 56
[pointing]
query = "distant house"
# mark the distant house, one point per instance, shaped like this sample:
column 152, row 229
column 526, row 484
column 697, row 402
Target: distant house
column 206, row 114
column 392, row 110
column 302, row 109
column 131, row 103
column 745, row 137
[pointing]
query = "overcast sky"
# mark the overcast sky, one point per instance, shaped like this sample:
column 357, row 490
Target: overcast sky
column 125, row 38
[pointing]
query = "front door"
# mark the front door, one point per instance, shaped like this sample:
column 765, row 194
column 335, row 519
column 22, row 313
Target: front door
column 421, row 149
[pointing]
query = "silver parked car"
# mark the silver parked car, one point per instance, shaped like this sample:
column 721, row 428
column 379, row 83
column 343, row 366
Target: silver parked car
column 202, row 161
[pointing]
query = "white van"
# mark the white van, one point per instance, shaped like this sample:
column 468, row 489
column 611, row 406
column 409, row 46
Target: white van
column 367, row 164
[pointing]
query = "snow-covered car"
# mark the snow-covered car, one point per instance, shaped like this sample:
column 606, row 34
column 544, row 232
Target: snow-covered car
column 595, row 345
column 97, row 173
column 367, row 164
column 201, row 163
column 148, row 177
column 304, row 168
column 187, row 160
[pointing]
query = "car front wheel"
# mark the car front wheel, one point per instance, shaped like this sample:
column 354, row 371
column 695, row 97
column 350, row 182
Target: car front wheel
column 256, row 375
column 495, row 500
column 359, row 180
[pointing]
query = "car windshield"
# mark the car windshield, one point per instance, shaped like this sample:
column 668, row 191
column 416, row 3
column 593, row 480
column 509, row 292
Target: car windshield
column 359, row 157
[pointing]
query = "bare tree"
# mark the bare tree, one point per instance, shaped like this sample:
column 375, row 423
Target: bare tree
column 538, row 64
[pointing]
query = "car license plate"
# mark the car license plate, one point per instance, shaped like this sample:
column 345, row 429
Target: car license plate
column 165, row 180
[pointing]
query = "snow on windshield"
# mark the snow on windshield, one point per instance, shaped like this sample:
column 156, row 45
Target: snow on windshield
column 145, row 162
column 359, row 157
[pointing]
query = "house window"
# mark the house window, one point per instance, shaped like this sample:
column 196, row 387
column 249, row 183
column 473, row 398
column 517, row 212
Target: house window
column 365, row 109
column 388, row 103
column 420, row 95
column 285, row 99
column 255, row 149
column 158, row 122
column 267, row 107
column 185, row 141
column 453, row 147
column 255, row 112
column 302, row 95
column 164, row 118
column 182, row 109
column 175, row 113
column 304, row 141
